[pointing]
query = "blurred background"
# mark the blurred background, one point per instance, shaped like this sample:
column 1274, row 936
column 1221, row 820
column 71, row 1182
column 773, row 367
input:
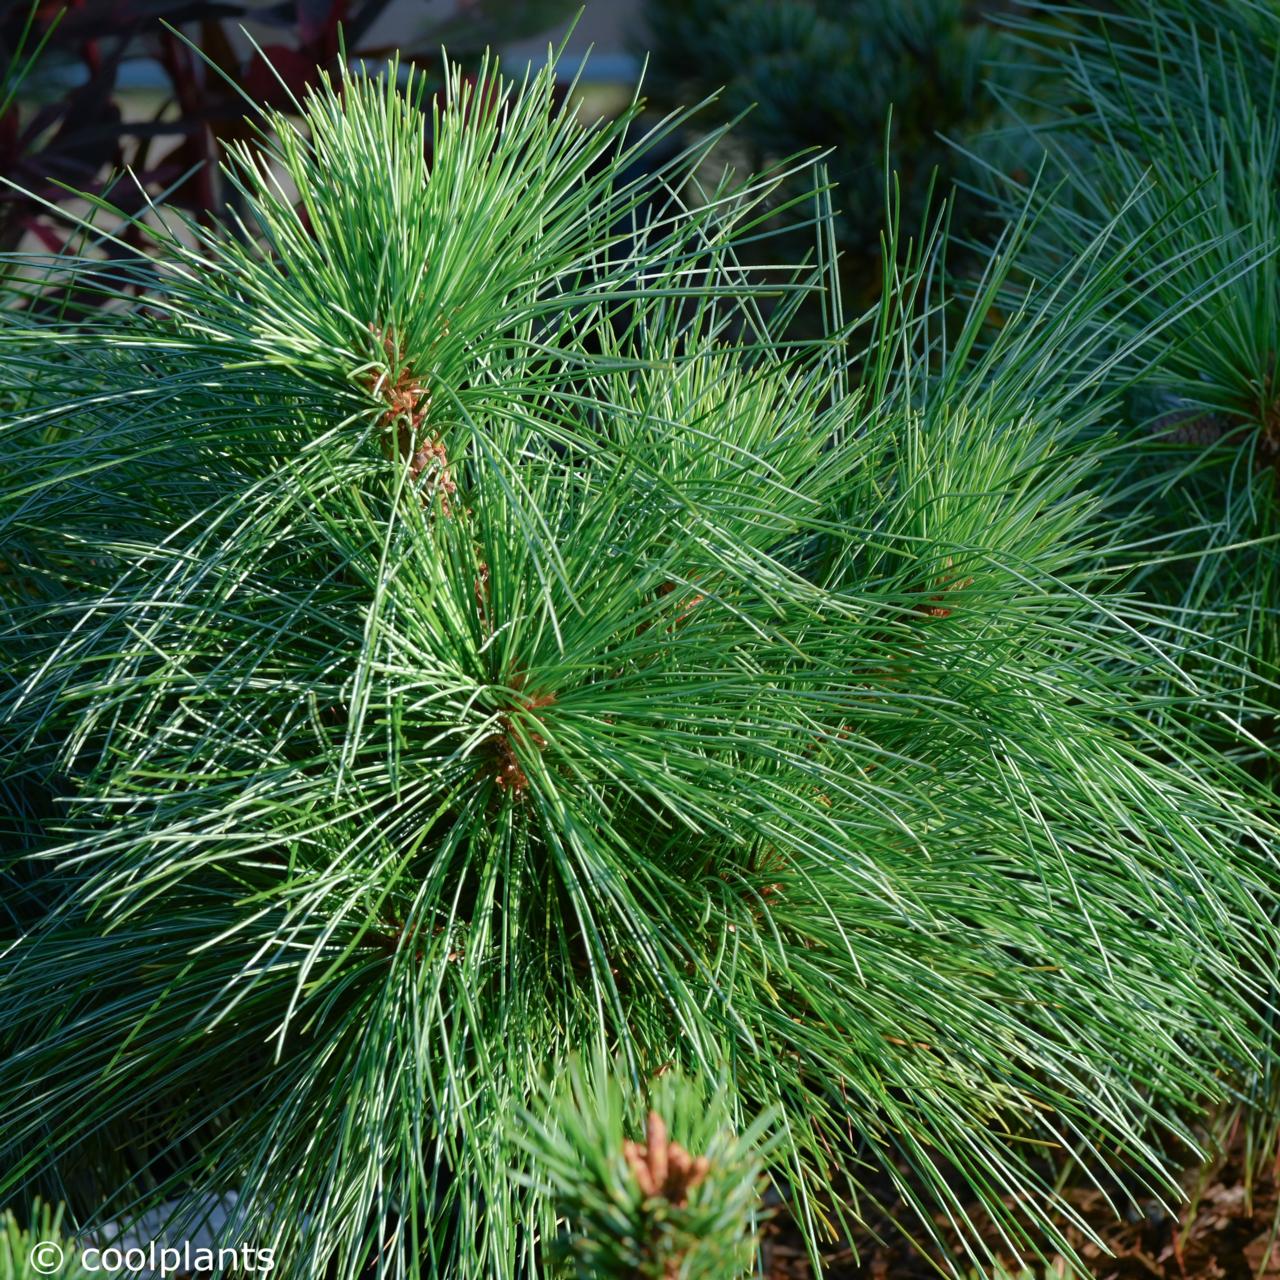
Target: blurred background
column 111, row 97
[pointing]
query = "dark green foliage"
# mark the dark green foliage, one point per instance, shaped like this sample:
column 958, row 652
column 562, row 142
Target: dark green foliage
column 826, row 74
column 1167, row 126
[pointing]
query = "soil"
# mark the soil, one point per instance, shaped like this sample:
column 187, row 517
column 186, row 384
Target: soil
column 1224, row 1230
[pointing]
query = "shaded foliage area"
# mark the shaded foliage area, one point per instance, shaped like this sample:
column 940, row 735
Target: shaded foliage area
column 1165, row 120
column 850, row 77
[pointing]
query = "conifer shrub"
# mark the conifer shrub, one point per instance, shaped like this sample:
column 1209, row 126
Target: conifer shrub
column 455, row 629
column 1164, row 125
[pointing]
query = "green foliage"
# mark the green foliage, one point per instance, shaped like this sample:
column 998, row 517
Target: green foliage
column 455, row 625
column 828, row 74
column 1167, row 126
column 41, row 1250
column 668, row 1195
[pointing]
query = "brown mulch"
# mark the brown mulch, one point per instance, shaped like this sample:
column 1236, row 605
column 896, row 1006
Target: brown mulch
column 1223, row 1231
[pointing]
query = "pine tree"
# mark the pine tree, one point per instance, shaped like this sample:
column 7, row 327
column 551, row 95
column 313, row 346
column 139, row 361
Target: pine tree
column 455, row 629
